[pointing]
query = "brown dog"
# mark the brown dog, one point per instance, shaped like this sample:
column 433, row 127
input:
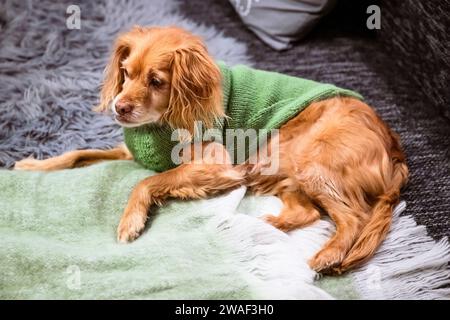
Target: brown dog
column 337, row 155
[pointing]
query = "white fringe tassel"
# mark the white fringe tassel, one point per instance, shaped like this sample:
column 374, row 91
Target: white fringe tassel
column 408, row 265
column 266, row 257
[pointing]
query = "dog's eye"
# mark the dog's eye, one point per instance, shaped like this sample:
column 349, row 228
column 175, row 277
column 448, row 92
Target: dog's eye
column 155, row 82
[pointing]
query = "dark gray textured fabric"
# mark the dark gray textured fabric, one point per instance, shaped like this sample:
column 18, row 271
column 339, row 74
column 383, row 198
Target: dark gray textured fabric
column 342, row 51
column 417, row 34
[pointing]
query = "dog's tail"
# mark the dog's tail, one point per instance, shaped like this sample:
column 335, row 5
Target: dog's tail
column 377, row 227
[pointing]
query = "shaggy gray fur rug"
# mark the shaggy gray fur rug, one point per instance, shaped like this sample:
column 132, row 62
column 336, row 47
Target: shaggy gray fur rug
column 50, row 75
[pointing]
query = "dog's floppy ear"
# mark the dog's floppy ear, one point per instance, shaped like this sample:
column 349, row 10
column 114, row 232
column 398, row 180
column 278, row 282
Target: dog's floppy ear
column 113, row 75
column 196, row 92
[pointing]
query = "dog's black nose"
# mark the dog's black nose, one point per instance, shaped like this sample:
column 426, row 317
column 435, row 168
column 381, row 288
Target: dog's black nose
column 122, row 108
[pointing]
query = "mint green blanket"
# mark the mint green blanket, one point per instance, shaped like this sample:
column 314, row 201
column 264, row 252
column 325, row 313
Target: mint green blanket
column 58, row 240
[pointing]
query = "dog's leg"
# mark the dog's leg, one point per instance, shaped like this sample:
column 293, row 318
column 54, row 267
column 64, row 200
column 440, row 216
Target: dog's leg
column 194, row 180
column 348, row 225
column 349, row 215
column 298, row 211
column 74, row 159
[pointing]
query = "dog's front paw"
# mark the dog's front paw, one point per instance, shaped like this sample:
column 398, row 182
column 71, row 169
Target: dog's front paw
column 130, row 227
column 28, row 164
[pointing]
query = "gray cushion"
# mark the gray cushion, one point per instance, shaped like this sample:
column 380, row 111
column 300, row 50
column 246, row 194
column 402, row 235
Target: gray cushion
column 280, row 22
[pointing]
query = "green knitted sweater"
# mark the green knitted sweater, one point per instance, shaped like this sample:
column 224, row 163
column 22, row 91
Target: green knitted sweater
column 252, row 99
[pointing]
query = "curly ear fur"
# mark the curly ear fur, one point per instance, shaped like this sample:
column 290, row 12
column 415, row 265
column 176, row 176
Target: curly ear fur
column 196, row 92
column 114, row 78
